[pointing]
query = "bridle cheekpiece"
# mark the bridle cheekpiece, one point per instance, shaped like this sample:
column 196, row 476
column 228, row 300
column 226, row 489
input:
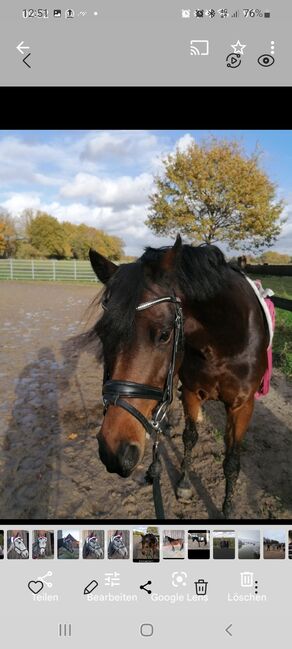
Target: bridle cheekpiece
column 114, row 390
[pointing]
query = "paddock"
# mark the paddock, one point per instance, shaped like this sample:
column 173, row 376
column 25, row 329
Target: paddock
column 51, row 408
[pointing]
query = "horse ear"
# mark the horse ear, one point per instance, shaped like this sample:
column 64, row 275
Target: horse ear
column 171, row 254
column 103, row 267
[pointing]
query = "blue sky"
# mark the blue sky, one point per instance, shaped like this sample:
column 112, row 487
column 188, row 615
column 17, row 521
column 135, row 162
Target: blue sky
column 104, row 178
column 276, row 535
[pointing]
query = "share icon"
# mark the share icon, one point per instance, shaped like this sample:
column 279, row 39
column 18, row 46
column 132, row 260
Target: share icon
column 143, row 587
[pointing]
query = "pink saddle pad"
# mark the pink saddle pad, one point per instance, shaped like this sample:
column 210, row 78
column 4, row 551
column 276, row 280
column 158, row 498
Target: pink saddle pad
column 265, row 384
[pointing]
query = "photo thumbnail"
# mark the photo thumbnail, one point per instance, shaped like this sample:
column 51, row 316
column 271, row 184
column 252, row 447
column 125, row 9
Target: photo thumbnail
column 43, row 544
column 68, row 544
column 199, row 544
column 274, row 544
column 224, row 544
column 17, row 544
column 93, row 544
column 146, row 541
column 118, row 544
column 249, row 544
column 173, row 546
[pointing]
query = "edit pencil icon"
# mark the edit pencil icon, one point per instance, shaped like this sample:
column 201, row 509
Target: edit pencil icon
column 90, row 587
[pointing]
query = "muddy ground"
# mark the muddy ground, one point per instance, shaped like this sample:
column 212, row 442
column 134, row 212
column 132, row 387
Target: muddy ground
column 51, row 407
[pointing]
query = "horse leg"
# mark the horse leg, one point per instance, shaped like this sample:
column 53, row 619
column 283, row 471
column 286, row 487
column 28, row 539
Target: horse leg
column 237, row 423
column 192, row 408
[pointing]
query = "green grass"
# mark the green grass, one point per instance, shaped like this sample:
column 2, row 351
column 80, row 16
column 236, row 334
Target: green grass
column 282, row 343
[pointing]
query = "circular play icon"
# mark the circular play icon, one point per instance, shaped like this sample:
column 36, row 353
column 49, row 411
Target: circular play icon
column 233, row 60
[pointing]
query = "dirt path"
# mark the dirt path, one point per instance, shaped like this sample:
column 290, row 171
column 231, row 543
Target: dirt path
column 50, row 408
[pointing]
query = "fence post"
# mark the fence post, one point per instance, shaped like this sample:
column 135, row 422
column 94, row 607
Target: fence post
column 75, row 269
column 32, row 268
column 54, row 270
column 11, row 268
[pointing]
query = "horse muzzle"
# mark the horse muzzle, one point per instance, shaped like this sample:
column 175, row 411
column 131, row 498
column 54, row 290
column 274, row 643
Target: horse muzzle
column 124, row 461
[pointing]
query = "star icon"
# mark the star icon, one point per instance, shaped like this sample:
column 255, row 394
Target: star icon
column 238, row 48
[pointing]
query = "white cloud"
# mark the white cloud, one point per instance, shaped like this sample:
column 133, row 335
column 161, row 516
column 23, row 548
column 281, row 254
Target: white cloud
column 50, row 181
column 184, row 142
column 106, row 191
column 124, row 145
column 22, row 201
column 284, row 242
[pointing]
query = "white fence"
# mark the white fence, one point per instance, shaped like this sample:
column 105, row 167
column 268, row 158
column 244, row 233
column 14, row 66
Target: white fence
column 47, row 270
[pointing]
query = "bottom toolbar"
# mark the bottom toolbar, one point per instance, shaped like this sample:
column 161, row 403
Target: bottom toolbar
column 134, row 584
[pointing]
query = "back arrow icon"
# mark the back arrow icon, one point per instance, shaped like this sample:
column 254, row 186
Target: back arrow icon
column 20, row 47
column 24, row 60
column 227, row 630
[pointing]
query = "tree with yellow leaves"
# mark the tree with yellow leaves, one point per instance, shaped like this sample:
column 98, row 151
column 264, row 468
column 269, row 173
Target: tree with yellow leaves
column 213, row 192
column 8, row 241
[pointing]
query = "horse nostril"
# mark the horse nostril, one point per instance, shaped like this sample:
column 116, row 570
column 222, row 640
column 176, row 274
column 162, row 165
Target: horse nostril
column 123, row 461
column 128, row 456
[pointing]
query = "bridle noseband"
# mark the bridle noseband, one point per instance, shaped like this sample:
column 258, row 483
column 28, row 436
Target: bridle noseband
column 113, row 390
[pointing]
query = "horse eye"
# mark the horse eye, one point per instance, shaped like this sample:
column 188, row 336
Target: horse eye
column 164, row 336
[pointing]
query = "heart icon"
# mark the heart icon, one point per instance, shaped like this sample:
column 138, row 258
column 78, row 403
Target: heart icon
column 35, row 586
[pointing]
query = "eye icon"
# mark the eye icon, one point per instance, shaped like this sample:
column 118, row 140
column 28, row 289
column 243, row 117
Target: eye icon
column 266, row 60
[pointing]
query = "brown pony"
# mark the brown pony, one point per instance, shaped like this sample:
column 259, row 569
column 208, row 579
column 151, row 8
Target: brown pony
column 221, row 353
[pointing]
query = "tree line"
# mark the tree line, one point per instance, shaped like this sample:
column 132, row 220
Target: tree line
column 36, row 234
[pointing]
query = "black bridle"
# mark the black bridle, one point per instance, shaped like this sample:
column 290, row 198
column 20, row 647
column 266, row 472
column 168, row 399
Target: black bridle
column 114, row 390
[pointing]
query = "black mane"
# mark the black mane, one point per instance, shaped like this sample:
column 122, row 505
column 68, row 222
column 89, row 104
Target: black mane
column 199, row 272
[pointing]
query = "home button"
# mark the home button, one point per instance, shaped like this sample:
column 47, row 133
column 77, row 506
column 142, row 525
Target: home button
column 146, row 630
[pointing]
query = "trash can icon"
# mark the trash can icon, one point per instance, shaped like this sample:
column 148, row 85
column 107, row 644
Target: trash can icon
column 246, row 579
column 201, row 587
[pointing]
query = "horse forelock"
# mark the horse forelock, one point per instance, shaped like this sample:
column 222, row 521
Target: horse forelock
column 199, row 273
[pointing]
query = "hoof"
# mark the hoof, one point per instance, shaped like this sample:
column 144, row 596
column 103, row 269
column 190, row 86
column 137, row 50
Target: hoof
column 184, row 491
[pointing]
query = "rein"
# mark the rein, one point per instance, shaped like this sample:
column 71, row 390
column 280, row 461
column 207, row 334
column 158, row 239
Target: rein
column 114, row 390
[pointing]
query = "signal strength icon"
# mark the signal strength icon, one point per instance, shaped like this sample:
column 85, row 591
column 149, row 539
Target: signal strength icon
column 235, row 15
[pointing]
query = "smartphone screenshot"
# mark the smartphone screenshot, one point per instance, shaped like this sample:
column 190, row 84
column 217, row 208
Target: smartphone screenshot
column 146, row 326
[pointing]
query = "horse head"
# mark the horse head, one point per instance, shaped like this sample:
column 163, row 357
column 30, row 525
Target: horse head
column 42, row 543
column 94, row 546
column 149, row 543
column 20, row 547
column 138, row 331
